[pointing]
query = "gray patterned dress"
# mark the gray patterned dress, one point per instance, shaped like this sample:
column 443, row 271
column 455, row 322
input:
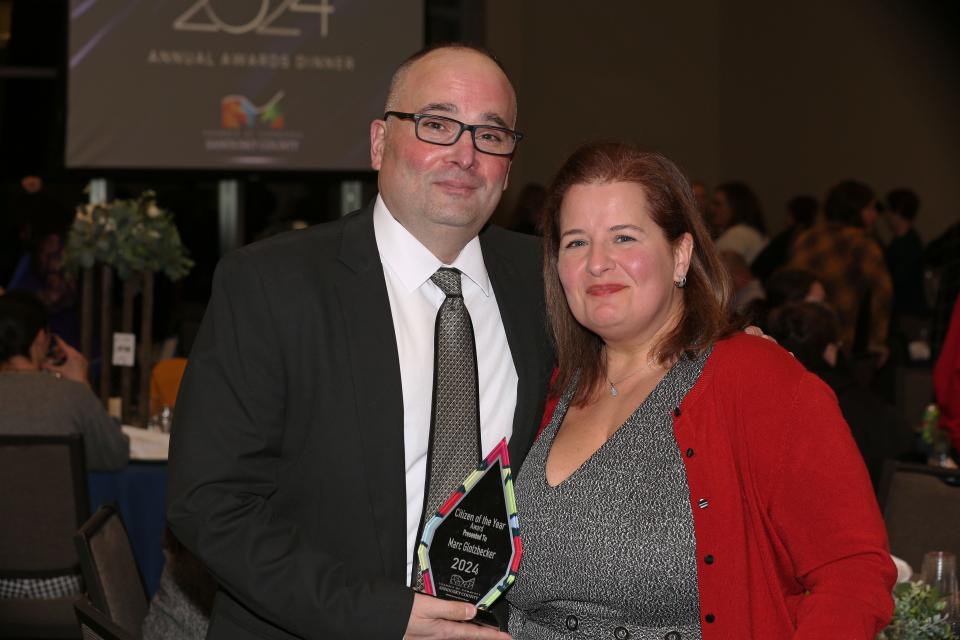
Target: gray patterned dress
column 610, row 552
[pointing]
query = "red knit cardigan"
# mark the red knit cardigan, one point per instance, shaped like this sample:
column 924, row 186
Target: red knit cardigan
column 790, row 542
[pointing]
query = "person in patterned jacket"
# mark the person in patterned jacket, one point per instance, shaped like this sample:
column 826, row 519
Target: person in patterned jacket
column 850, row 264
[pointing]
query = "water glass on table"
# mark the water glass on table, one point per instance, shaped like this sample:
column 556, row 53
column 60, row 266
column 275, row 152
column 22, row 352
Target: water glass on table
column 940, row 571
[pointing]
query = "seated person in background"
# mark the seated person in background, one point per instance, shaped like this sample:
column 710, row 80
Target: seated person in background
column 809, row 330
column 783, row 286
column 700, row 482
column 44, row 395
column 737, row 220
column 747, row 290
column 793, row 285
column 180, row 610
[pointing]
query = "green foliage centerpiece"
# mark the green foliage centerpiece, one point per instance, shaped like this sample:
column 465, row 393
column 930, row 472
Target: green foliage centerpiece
column 919, row 614
column 132, row 236
column 135, row 239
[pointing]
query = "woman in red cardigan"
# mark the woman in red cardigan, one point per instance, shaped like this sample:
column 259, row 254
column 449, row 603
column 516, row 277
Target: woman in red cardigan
column 693, row 482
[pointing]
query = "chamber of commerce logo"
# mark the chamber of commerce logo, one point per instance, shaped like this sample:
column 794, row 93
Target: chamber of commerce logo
column 238, row 112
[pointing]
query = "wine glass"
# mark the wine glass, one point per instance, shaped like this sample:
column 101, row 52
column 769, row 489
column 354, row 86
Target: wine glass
column 940, row 571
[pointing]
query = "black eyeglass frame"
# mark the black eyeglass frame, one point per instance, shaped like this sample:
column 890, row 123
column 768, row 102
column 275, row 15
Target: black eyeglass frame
column 472, row 128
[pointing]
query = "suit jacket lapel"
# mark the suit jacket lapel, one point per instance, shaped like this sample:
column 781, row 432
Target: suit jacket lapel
column 520, row 326
column 362, row 293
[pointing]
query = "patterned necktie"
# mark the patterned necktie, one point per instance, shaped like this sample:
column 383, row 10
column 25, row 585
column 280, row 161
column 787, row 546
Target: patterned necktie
column 455, row 425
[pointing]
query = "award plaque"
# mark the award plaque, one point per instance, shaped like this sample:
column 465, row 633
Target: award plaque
column 470, row 549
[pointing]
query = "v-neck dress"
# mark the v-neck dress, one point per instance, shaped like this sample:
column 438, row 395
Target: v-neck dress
column 610, row 551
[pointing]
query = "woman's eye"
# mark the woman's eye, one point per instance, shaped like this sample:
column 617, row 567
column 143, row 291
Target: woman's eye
column 574, row 243
column 623, row 238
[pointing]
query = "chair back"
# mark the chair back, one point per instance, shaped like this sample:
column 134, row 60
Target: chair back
column 165, row 382
column 921, row 507
column 110, row 570
column 96, row 625
column 43, row 499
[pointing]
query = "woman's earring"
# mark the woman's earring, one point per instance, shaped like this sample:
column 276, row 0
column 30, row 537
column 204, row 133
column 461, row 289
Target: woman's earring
column 681, row 283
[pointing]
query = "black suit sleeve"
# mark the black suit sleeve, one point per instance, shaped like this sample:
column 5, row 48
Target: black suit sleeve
column 224, row 464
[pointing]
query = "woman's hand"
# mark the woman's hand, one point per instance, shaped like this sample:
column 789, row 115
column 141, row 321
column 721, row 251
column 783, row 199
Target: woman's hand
column 74, row 365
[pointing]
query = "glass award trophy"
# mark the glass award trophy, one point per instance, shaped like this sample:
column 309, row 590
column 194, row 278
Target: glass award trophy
column 470, row 548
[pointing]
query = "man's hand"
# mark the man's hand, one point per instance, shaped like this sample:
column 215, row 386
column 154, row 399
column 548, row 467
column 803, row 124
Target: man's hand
column 435, row 619
column 754, row 330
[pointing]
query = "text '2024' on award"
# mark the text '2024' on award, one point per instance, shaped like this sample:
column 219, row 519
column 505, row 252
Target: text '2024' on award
column 470, row 548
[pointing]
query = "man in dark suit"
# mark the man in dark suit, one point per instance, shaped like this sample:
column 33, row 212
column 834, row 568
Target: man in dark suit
column 299, row 451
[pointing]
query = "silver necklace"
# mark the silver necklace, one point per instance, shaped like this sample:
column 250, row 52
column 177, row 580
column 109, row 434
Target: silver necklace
column 613, row 385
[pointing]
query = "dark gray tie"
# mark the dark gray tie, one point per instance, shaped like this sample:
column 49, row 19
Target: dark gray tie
column 455, row 422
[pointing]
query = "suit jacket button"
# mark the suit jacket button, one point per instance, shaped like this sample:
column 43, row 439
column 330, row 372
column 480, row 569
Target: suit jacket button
column 572, row 623
column 672, row 635
column 620, row 633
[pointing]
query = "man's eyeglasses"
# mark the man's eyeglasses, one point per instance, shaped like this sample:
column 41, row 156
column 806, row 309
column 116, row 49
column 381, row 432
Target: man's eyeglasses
column 445, row 131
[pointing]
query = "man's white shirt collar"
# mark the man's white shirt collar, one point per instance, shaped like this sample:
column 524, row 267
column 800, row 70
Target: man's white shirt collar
column 412, row 262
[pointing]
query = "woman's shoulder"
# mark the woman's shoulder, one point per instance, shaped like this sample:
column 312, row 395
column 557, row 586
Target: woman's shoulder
column 758, row 357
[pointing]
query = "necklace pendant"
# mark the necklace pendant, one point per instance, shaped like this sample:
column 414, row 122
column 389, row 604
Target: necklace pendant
column 613, row 391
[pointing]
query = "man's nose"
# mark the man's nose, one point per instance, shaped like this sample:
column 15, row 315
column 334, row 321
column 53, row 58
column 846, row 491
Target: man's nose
column 463, row 151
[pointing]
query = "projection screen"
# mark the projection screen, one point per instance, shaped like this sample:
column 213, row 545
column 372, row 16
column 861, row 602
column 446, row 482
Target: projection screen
column 232, row 84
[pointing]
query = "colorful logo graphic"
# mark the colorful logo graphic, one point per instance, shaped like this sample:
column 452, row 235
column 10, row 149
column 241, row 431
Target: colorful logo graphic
column 237, row 112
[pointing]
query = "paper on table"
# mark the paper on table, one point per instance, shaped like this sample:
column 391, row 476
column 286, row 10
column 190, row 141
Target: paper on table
column 147, row 445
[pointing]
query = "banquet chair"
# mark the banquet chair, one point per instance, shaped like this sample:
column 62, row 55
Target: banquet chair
column 43, row 499
column 165, row 382
column 110, row 572
column 921, row 507
column 96, row 625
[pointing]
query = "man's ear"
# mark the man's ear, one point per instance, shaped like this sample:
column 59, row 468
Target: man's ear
column 378, row 131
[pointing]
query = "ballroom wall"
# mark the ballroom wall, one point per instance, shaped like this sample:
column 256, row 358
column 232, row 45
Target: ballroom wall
column 790, row 97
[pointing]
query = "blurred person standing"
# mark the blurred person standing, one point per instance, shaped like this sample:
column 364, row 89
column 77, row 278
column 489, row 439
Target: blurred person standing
column 801, row 212
column 904, row 254
column 737, row 220
column 849, row 263
column 44, row 388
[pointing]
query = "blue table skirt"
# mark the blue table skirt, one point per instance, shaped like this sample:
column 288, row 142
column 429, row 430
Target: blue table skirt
column 140, row 492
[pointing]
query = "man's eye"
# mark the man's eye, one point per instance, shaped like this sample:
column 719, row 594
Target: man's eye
column 436, row 125
column 492, row 136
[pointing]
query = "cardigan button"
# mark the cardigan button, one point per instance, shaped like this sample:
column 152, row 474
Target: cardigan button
column 703, row 503
column 672, row 635
column 620, row 633
column 708, row 559
column 709, row 618
column 676, row 411
column 690, row 453
column 572, row 623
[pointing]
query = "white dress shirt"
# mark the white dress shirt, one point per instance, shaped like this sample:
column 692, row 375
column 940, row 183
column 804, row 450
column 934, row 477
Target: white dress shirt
column 414, row 302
